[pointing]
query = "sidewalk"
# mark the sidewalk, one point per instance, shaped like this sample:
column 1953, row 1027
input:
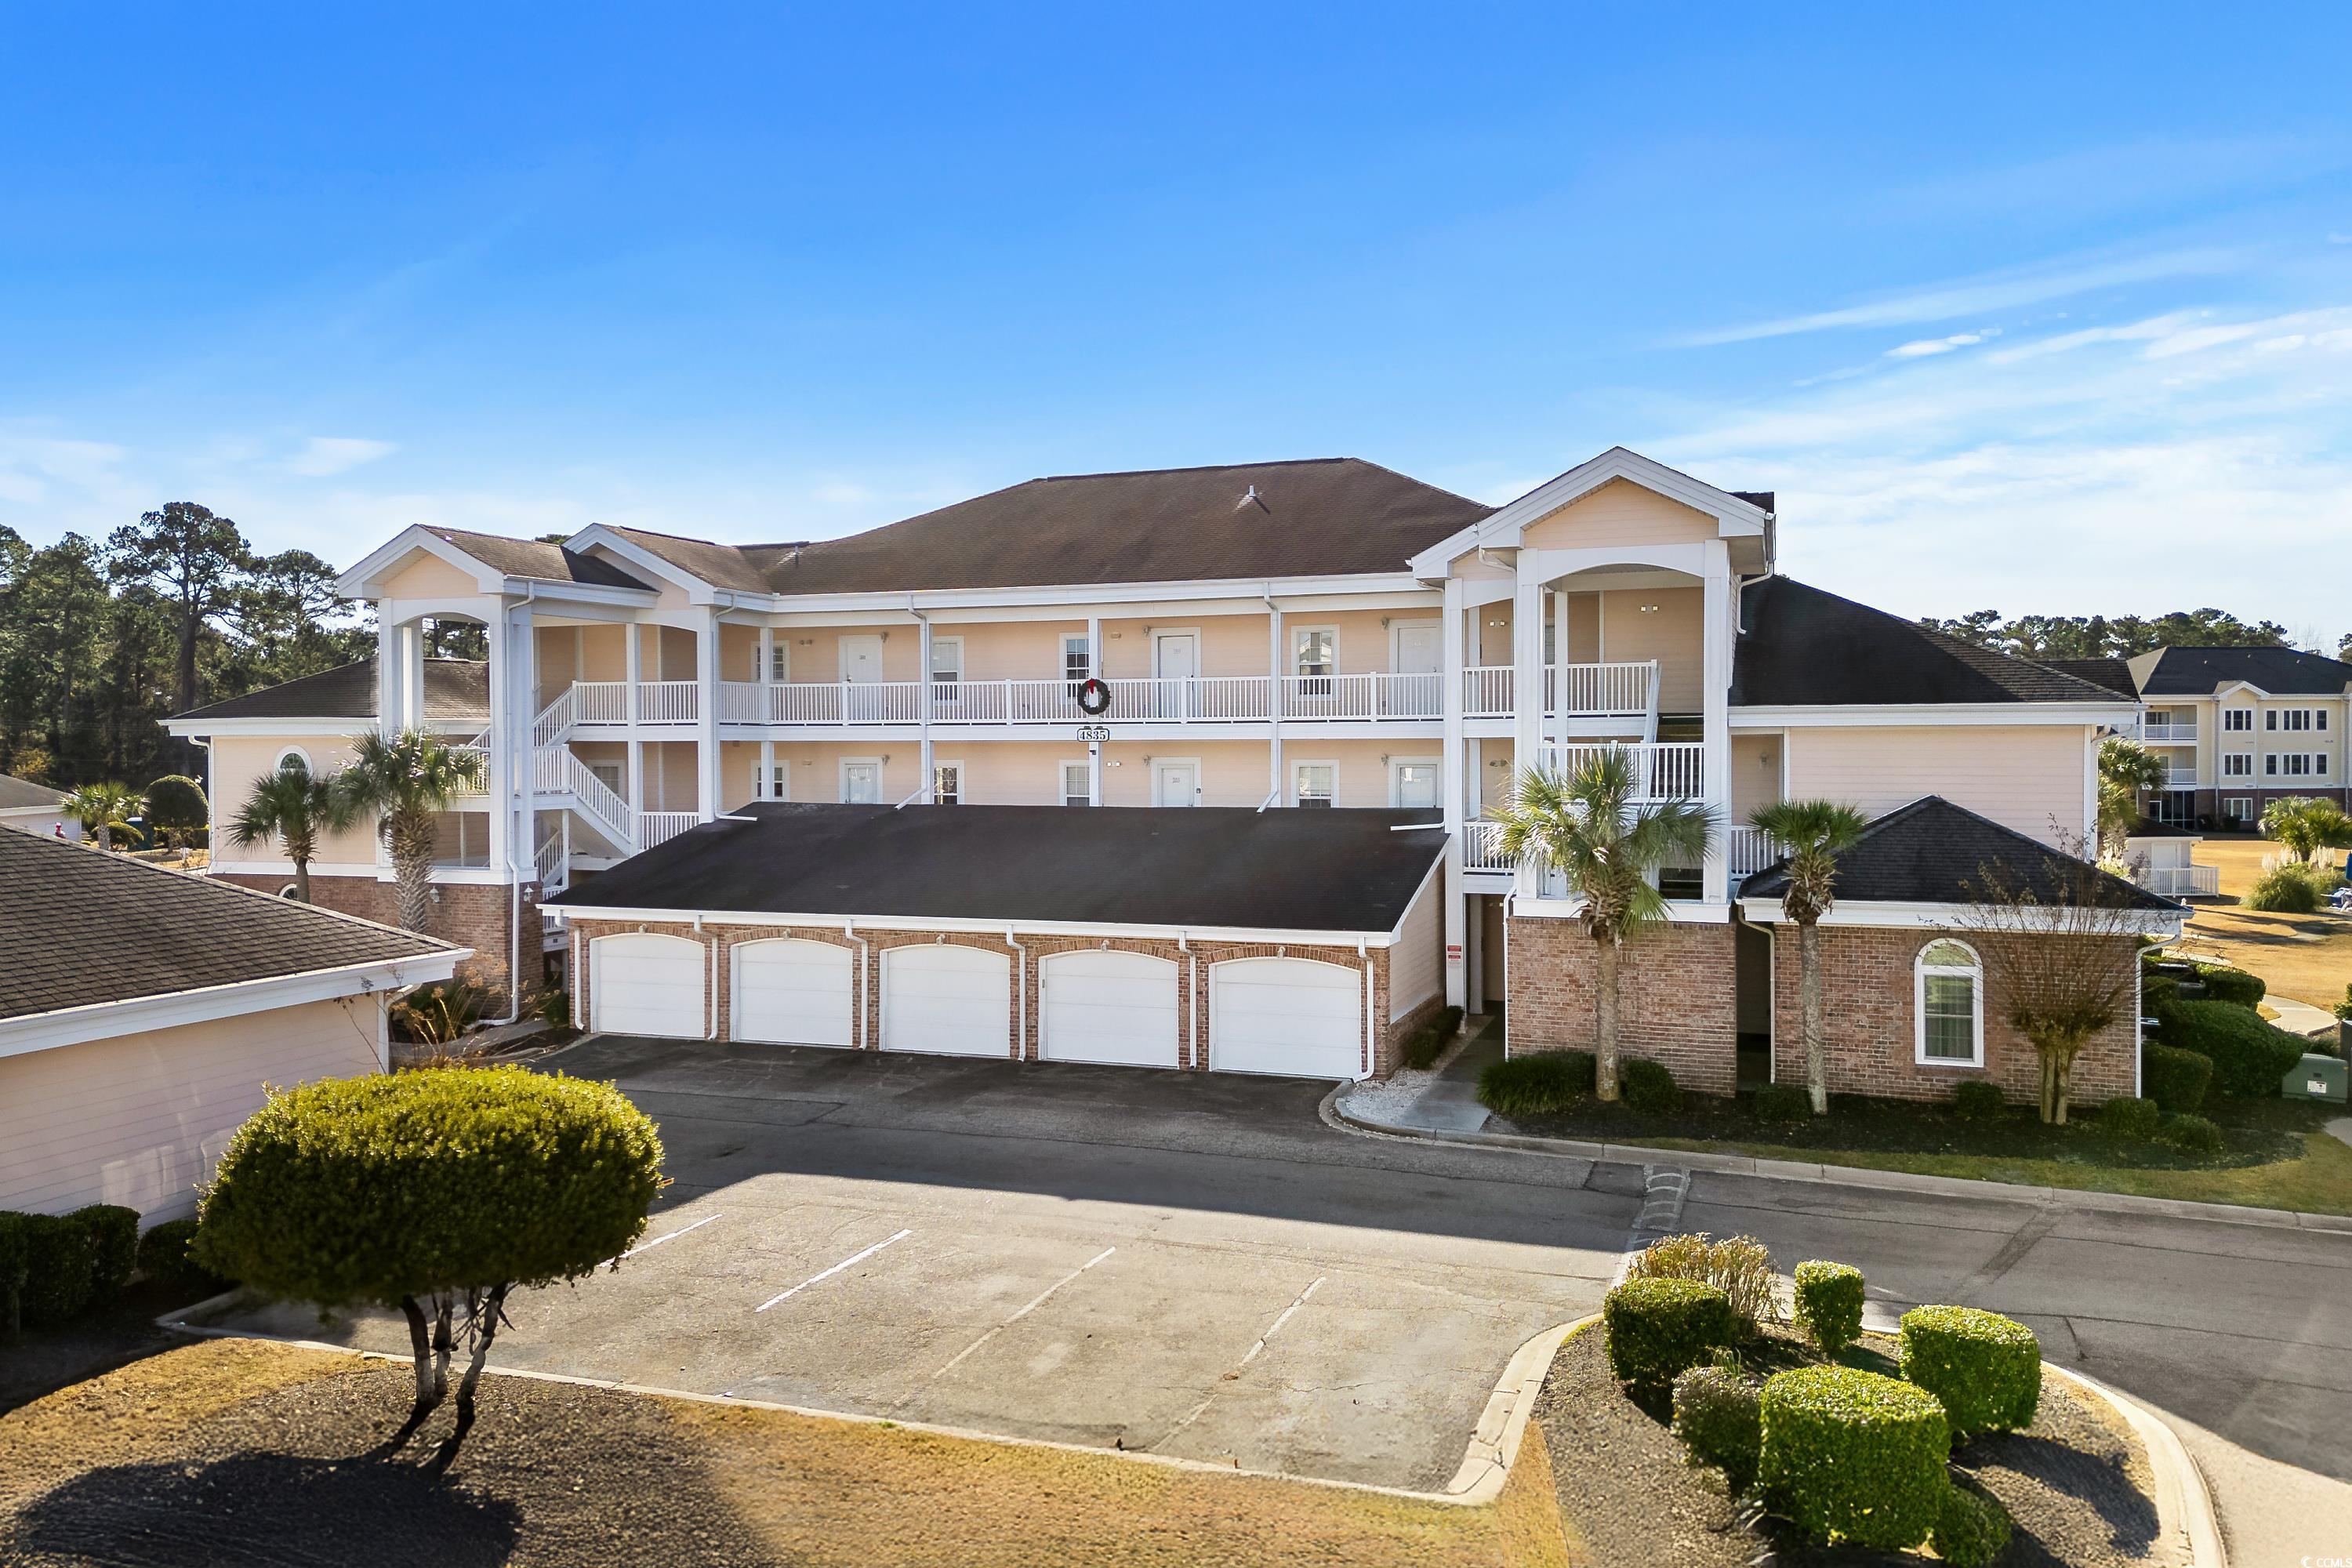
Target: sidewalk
column 2303, row 1018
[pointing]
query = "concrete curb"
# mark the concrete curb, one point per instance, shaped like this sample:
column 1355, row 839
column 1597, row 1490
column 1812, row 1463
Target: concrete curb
column 2184, row 1508
column 1838, row 1175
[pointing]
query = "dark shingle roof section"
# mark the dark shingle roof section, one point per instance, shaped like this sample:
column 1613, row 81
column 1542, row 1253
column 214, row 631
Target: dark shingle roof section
column 2114, row 674
column 82, row 928
column 1307, row 518
column 1933, row 852
column 532, row 558
column 1334, row 870
column 720, row 565
column 453, row 689
column 1802, row 647
column 17, row 793
column 2200, row 671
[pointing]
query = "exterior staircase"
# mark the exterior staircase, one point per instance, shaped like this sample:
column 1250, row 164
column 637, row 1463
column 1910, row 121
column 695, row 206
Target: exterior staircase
column 560, row 779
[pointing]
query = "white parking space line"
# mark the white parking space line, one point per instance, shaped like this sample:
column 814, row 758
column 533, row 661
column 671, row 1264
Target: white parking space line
column 1038, row 1301
column 1248, row 1356
column 673, row 1236
column 846, row 1263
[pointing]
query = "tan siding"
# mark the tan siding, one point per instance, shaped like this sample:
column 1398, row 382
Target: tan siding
column 1416, row 966
column 1670, row 634
column 140, row 1120
column 1619, row 514
column 2021, row 776
column 240, row 762
column 430, row 577
column 1755, row 774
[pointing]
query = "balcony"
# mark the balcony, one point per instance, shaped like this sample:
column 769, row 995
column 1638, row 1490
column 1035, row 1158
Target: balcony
column 599, row 703
column 2161, row 732
column 2183, row 881
column 1206, row 699
column 1663, row 770
column 1593, row 690
column 1750, row 850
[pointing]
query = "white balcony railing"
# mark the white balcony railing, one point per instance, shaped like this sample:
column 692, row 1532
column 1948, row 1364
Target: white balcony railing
column 2165, row 731
column 601, row 702
column 1481, row 848
column 1206, row 698
column 1663, row 770
column 1749, row 850
column 1590, row 690
column 2183, row 881
column 669, row 701
column 660, row 826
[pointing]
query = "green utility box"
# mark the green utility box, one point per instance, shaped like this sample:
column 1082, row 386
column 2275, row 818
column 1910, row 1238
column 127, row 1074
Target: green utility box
column 2315, row 1078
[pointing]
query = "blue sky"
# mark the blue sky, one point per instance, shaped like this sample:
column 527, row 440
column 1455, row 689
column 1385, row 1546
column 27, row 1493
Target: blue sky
column 2040, row 308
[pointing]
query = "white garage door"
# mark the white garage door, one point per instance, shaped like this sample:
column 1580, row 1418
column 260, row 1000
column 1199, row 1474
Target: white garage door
column 1108, row 1007
column 648, row 984
column 789, row 992
column 949, row 1000
column 1289, row 1016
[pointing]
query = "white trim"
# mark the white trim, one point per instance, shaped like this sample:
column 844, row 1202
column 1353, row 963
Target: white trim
column 1192, row 762
column 1679, row 911
column 1062, row 780
column 385, row 558
column 1942, row 715
column 1192, row 632
column 334, row 727
column 841, row 780
column 1398, row 627
column 1396, row 793
column 286, row 751
column 1942, row 917
column 932, row 674
column 869, row 926
column 1974, row 971
column 1294, row 763
column 108, row 1020
column 1500, row 530
column 1292, row 631
column 938, row 766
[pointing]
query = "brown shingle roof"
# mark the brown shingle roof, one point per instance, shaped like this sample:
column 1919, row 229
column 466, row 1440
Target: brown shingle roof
column 1803, row 646
column 81, row 928
column 453, row 689
column 15, row 793
column 531, row 558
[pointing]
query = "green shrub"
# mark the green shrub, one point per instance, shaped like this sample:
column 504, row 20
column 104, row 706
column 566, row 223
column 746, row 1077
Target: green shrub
column 1738, row 1265
column 2190, row 1134
column 1660, row 1329
column 1542, row 1084
column 552, row 1007
column 1976, row 1100
column 2226, row 983
column 113, row 1233
column 1649, row 1088
column 1780, row 1103
column 1717, row 1419
column 2175, row 1078
column 1829, row 1305
column 2155, row 988
column 1849, row 1456
column 1971, row 1530
column 175, row 808
column 12, row 1270
column 57, row 1259
column 164, row 1258
column 1987, row 1369
column 437, row 1015
column 2130, row 1120
column 1426, row 1044
column 2289, row 887
column 2343, row 1010
column 2249, row 1054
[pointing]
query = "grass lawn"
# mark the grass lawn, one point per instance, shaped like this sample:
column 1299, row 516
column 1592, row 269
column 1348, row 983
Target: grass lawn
column 234, row 1450
column 2307, row 957
column 2276, row 1154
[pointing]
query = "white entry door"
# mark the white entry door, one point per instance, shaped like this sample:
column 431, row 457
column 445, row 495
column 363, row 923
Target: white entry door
column 1175, row 660
column 791, row 992
column 1108, row 1007
column 643, row 984
column 861, row 665
column 1295, row 1016
column 1416, row 689
column 861, row 784
column 1175, row 784
column 947, row 1000
column 1415, row 783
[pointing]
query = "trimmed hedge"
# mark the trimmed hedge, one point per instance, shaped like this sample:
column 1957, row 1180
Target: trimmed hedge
column 12, row 1270
column 2132, row 1121
column 1849, row 1456
column 113, row 1233
column 1972, row 1530
column 164, row 1258
column 1426, row 1044
column 1537, row 1085
column 2190, row 1134
column 1660, row 1329
column 1649, row 1089
column 1985, row 1368
column 1780, row 1104
column 1829, row 1305
column 2249, row 1054
column 2175, row 1078
column 58, row 1258
column 1719, row 1420
column 1976, row 1100
column 2222, row 982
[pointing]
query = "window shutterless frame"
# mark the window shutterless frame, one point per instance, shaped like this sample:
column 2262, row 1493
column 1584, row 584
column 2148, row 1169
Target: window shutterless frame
column 1948, row 1006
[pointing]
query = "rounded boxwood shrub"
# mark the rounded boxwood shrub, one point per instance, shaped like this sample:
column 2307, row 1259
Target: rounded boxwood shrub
column 1987, row 1369
column 2190, row 1134
column 1717, row 1418
column 2133, row 1120
column 2175, row 1078
column 1648, row 1088
column 1829, row 1305
column 1781, row 1104
column 1541, row 1084
column 1660, row 1329
column 2227, row 982
column 1849, row 1456
column 1976, row 1100
column 2250, row 1055
column 1971, row 1530
column 164, row 1258
column 113, row 1233
column 58, row 1267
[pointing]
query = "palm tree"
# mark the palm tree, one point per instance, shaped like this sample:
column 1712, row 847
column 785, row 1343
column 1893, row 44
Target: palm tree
column 1585, row 826
column 405, row 781
column 2126, row 769
column 103, row 810
column 291, row 804
column 1813, row 833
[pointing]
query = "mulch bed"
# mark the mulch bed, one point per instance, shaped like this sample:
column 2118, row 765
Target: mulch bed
column 2075, row 1482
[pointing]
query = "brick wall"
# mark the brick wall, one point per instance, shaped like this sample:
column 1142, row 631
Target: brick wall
column 1871, row 1030
column 471, row 915
column 1193, row 976
column 1676, row 1001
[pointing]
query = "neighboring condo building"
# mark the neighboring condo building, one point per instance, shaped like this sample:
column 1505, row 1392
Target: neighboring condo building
column 2240, row 727
column 1260, row 643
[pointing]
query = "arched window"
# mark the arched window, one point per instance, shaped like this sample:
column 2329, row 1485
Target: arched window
column 1949, row 1004
column 293, row 754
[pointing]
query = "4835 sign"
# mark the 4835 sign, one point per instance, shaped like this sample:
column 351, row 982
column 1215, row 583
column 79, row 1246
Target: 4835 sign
column 1094, row 732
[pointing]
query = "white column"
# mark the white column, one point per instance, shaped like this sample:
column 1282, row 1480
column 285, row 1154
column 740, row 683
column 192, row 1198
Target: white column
column 706, row 712
column 1274, row 783
column 1094, row 748
column 1718, row 624
column 1450, row 776
column 633, row 672
column 923, row 656
column 1560, row 659
column 400, row 675
column 766, row 781
column 1526, row 678
column 523, row 654
column 497, row 634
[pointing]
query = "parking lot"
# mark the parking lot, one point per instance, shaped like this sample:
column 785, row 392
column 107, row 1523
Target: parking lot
column 1180, row 1263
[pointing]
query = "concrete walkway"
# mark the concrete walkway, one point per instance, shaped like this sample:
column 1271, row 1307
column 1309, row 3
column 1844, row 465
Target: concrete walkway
column 2301, row 1017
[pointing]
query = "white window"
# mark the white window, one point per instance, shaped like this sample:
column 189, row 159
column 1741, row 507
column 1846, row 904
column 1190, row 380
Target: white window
column 773, row 783
column 2238, row 807
column 1412, row 782
column 947, row 661
column 861, row 781
column 2238, row 718
column 2295, row 764
column 1077, row 658
column 293, row 754
column 1315, row 784
column 2319, row 764
column 1314, row 650
column 608, row 774
column 2269, row 764
column 1078, row 788
column 2291, row 719
column 2237, row 765
column 780, row 661
column 1949, row 1002
column 947, row 784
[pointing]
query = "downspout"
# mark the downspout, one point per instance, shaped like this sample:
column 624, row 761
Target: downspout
column 1020, row 984
column 1192, row 997
column 929, row 781
column 849, row 930
column 1273, row 696
column 711, row 1009
column 1371, row 1007
column 530, row 819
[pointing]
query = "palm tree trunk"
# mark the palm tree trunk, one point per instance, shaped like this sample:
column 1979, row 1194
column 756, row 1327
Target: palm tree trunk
column 303, row 880
column 1809, row 1010
column 412, row 867
column 1604, row 1023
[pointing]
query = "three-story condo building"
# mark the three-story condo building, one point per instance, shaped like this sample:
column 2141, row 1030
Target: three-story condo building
column 831, row 793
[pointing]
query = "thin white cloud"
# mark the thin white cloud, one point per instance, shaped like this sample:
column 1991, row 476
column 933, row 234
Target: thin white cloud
column 1923, row 347
column 323, row 456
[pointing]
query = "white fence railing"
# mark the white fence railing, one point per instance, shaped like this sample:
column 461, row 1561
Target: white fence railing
column 601, row 702
column 555, row 769
column 1481, row 848
column 2183, row 881
column 1663, row 770
column 1591, row 691
column 669, row 701
column 2165, row 730
column 1749, row 850
column 656, row 827
column 1203, row 699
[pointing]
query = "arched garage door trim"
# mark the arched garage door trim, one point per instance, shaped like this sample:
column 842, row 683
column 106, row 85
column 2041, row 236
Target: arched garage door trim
column 790, row 991
column 647, row 983
column 1297, row 1018
column 947, row 999
column 1108, row 1006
